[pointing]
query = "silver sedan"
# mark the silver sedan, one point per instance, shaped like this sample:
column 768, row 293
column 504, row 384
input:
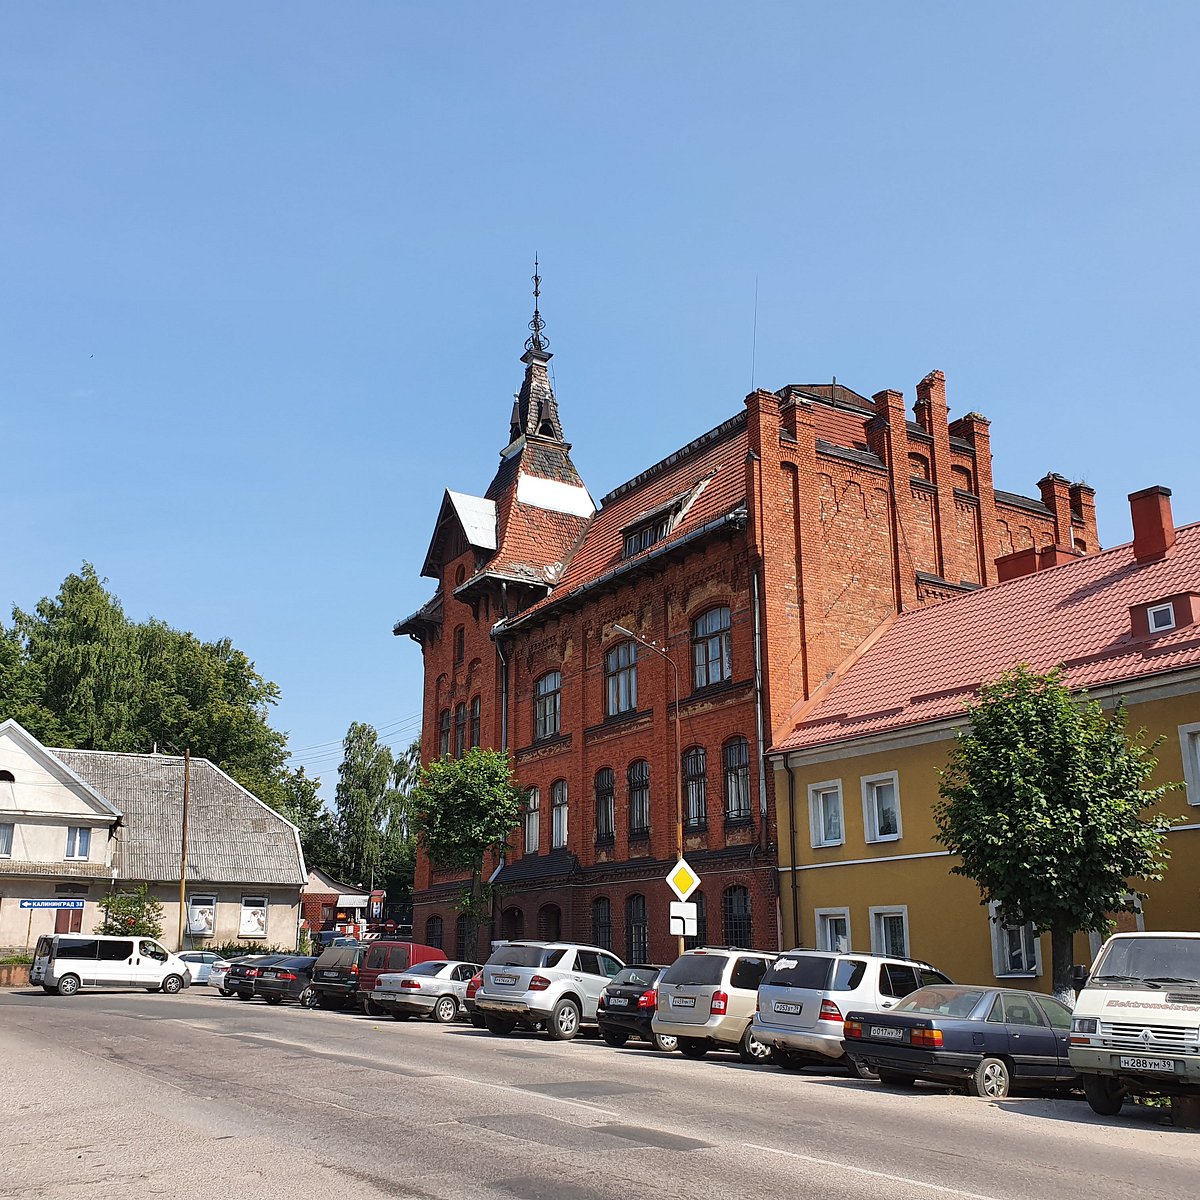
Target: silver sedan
column 430, row 989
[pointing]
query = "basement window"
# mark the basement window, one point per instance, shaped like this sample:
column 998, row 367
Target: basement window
column 1160, row 618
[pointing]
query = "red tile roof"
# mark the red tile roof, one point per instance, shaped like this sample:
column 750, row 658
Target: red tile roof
column 929, row 662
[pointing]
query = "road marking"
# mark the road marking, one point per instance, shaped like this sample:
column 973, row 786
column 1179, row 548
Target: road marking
column 829, row 1162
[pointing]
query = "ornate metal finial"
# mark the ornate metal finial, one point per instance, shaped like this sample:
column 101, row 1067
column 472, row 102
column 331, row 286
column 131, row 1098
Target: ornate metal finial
column 537, row 339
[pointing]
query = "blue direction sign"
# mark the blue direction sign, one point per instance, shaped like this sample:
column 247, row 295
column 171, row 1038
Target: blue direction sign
column 51, row 903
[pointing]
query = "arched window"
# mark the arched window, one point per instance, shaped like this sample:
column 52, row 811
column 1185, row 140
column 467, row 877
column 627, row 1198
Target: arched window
column 444, row 732
column 547, row 693
column 701, row 938
column 558, row 803
column 639, row 797
column 460, row 730
column 475, row 710
column 918, row 466
column 739, row 930
column 549, row 923
column 7, row 777
column 602, row 922
column 512, row 924
column 962, row 478
column 620, row 678
column 465, row 937
column 712, row 648
column 605, row 806
column 433, row 932
column 533, row 816
column 736, row 755
column 459, row 643
column 695, row 788
column 637, row 932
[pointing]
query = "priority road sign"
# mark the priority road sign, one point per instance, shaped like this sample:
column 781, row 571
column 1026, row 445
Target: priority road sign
column 682, row 880
column 51, row 903
column 683, row 919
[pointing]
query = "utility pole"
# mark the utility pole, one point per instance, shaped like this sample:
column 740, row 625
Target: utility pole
column 187, row 776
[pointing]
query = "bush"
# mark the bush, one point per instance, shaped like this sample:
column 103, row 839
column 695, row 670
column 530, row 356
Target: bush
column 237, row 949
column 131, row 914
column 16, row 960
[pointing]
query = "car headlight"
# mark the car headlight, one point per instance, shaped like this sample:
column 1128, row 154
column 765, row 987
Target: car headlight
column 1085, row 1025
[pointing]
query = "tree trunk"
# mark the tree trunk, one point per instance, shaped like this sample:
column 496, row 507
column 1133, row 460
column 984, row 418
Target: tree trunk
column 1062, row 950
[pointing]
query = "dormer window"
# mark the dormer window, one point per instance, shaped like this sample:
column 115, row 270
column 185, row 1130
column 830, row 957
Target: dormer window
column 642, row 537
column 1160, row 617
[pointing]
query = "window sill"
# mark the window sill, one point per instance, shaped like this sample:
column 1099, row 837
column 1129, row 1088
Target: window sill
column 605, row 840
column 887, row 837
column 639, row 835
column 1018, row 975
column 696, row 827
column 738, row 822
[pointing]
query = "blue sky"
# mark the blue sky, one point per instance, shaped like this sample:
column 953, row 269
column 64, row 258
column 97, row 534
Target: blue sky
column 266, row 274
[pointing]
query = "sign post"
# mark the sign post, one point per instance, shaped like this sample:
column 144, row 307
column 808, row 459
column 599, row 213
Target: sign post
column 683, row 881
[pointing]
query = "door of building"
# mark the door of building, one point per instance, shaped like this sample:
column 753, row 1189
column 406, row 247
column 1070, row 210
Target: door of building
column 68, row 920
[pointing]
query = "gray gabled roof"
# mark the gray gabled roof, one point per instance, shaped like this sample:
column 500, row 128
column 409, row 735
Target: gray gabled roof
column 233, row 837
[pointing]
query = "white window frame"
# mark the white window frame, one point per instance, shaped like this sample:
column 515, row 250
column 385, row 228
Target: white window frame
column 871, row 808
column 73, row 840
column 197, row 926
column 559, row 828
column 1167, row 608
column 999, row 950
column 877, row 940
column 11, row 828
column 816, row 813
column 533, row 820
column 249, row 928
column 1189, row 747
column 822, row 917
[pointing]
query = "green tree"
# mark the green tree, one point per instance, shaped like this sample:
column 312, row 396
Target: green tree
column 461, row 808
column 367, row 802
column 1043, row 802
column 133, row 914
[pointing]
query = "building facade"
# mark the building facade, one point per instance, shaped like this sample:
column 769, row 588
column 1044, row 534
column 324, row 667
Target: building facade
column 635, row 657
column 857, row 774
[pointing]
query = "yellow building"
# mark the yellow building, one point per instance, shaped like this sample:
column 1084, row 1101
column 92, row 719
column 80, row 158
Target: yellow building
column 857, row 767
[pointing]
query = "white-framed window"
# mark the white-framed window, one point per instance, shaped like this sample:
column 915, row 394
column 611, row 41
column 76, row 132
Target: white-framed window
column 201, row 915
column 254, row 917
column 833, row 929
column 881, row 807
column 6, row 839
column 1189, row 745
column 825, row 813
column 889, row 930
column 558, row 804
column 1016, row 949
column 1160, row 617
column 533, row 818
column 79, row 841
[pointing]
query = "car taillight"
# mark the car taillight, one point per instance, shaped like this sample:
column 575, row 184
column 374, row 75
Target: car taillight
column 251, row 971
column 648, row 999
column 474, row 985
column 852, row 1029
column 829, row 1011
column 413, row 984
column 929, row 1039
column 354, row 969
column 285, row 975
column 720, row 1003
column 539, row 983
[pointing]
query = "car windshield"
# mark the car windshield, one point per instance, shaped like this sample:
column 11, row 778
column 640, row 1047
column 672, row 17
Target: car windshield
column 800, row 971
column 943, row 1001
column 427, row 968
column 1150, row 960
column 524, row 956
column 637, row 976
column 696, row 969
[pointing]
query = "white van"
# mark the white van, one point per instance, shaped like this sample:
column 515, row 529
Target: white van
column 65, row 962
column 1135, row 1030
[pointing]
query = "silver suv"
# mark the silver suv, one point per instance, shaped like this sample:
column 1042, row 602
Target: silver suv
column 555, row 985
column 706, row 999
column 805, row 996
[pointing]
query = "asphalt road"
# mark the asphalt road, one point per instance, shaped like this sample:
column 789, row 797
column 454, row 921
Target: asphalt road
column 123, row 1094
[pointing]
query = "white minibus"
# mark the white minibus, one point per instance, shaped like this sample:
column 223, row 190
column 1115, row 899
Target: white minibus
column 65, row 962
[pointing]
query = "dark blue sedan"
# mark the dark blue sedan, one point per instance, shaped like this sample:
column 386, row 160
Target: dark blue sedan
column 987, row 1038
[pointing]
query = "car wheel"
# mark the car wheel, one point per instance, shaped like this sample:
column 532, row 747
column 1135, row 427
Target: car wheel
column 245, row 995
column 68, row 985
column 445, row 1010
column 172, row 985
column 1104, row 1096
column 272, row 999
column 397, row 1015
column 564, row 1020
column 308, row 998
column 614, row 1037
column 500, row 1025
column 858, row 1069
column 693, row 1047
column 371, row 1009
column 895, row 1079
column 666, row 1042
column 751, row 1050
column 991, row 1079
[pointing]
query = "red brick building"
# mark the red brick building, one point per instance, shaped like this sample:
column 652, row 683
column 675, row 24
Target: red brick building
column 757, row 557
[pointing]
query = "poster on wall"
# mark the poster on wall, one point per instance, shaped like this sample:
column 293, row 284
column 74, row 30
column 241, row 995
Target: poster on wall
column 201, row 915
column 254, row 917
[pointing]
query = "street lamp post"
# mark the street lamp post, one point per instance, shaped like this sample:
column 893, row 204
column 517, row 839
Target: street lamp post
column 678, row 779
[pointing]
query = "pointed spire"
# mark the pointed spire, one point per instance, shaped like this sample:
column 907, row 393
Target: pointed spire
column 535, row 412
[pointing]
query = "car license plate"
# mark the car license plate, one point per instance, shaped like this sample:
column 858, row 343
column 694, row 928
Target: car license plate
column 683, row 1001
column 329, row 974
column 887, row 1033
column 268, row 974
column 1130, row 1063
column 794, row 1009
column 617, row 1002
column 504, row 980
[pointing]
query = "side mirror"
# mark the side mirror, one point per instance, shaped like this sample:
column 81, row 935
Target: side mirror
column 1079, row 977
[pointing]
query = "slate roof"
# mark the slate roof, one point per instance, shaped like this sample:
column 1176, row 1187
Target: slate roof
column 926, row 664
column 232, row 836
column 538, row 867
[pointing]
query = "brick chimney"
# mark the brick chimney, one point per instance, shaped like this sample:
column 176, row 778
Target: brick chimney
column 1153, row 527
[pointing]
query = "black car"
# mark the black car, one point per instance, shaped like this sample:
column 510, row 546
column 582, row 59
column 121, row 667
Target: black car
column 987, row 1038
column 626, row 1008
column 243, row 971
column 335, row 975
column 288, row 979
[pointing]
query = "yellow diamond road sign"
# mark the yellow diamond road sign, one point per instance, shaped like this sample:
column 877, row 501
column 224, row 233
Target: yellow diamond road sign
column 682, row 880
